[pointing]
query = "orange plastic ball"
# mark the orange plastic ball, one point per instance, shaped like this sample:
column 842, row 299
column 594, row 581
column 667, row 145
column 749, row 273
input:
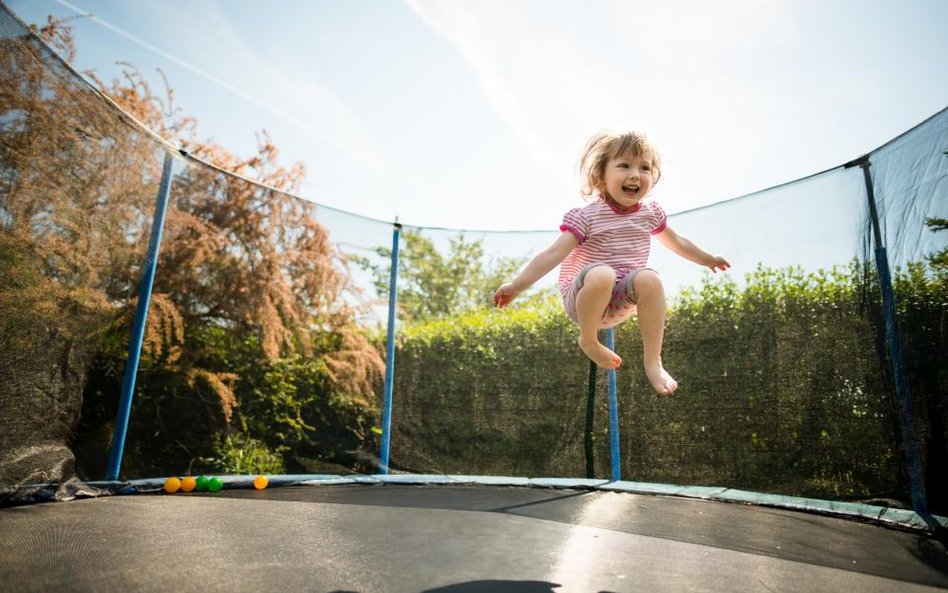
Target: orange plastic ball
column 172, row 485
column 188, row 484
column 260, row 482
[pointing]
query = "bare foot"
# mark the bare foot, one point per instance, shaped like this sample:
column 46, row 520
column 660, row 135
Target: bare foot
column 662, row 382
column 599, row 354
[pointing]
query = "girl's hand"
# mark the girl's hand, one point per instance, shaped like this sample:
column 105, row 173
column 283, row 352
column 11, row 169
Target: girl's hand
column 718, row 263
column 504, row 295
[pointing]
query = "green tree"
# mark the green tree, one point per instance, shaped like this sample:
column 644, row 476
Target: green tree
column 939, row 259
column 432, row 284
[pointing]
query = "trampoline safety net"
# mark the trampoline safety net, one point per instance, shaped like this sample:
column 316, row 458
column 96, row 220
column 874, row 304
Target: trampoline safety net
column 815, row 367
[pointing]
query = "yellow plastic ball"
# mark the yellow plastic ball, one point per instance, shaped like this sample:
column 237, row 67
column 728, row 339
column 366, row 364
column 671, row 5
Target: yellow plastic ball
column 172, row 485
column 260, row 482
column 188, row 484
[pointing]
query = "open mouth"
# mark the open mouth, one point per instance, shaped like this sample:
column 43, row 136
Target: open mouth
column 630, row 189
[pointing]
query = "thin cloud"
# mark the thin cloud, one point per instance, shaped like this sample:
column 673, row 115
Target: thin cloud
column 342, row 120
column 466, row 31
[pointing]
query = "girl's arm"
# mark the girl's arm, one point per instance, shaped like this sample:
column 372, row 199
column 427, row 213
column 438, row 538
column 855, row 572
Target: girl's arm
column 688, row 250
column 538, row 267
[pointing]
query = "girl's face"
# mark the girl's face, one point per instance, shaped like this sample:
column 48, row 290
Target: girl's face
column 628, row 179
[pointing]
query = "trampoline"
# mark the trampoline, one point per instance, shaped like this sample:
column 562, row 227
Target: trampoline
column 811, row 452
column 475, row 535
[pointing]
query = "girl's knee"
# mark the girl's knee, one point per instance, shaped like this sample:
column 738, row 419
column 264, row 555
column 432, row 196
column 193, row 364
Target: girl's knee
column 648, row 281
column 600, row 276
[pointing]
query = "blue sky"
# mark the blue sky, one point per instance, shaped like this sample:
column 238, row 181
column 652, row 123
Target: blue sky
column 472, row 113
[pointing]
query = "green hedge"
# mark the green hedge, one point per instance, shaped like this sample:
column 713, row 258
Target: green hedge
column 784, row 387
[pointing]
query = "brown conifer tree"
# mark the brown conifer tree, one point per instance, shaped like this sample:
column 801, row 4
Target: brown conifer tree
column 241, row 257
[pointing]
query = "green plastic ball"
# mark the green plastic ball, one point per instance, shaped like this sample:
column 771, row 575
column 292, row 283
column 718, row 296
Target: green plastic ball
column 201, row 485
column 215, row 484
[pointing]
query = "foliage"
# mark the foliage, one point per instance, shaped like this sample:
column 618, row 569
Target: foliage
column 788, row 389
column 247, row 278
column 297, row 409
column 432, row 284
column 938, row 260
column 782, row 389
column 485, row 392
column 65, row 248
column 252, row 361
column 239, row 454
column 922, row 309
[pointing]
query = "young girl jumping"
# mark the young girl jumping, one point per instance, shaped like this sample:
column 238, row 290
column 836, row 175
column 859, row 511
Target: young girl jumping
column 603, row 251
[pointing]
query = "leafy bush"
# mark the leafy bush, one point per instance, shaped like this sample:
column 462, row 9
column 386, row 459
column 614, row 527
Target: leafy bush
column 248, row 283
column 784, row 388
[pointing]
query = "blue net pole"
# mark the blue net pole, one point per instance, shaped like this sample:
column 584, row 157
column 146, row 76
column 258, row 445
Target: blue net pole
column 613, row 413
column 138, row 326
column 390, row 355
column 903, row 393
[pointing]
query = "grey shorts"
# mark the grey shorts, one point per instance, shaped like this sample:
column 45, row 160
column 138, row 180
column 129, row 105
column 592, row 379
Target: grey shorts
column 622, row 305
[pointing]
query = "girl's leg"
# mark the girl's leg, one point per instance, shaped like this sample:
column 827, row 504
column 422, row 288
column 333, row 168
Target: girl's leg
column 650, row 295
column 591, row 302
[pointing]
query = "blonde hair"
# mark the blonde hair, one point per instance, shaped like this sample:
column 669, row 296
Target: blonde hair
column 603, row 146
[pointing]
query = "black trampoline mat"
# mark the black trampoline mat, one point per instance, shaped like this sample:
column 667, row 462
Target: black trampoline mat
column 455, row 539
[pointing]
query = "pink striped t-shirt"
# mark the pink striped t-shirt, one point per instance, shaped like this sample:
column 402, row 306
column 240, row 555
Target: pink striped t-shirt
column 621, row 239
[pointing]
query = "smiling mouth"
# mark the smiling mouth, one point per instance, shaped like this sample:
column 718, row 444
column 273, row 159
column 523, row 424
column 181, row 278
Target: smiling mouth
column 631, row 189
